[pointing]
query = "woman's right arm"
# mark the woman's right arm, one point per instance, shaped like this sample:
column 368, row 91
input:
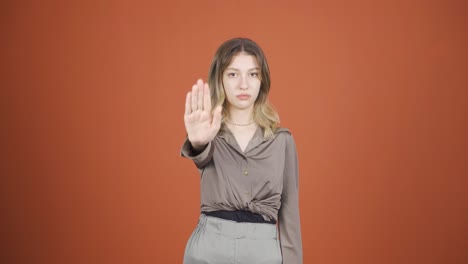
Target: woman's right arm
column 199, row 157
column 202, row 124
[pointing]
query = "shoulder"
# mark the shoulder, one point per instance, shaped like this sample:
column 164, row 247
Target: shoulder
column 286, row 135
column 283, row 132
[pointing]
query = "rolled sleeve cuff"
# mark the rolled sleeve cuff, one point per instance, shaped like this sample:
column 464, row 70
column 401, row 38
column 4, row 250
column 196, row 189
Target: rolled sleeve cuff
column 199, row 158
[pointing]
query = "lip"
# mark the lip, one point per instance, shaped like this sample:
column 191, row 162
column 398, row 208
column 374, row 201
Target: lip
column 243, row 96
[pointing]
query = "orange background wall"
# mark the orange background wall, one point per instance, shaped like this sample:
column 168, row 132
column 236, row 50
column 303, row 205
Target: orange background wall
column 92, row 102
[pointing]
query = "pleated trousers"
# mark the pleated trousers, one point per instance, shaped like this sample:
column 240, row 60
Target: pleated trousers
column 220, row 241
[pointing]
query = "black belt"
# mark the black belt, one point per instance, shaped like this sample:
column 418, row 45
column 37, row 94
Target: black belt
column 240, row 216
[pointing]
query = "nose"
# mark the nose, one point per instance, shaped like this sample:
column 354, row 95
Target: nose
column 243, row 84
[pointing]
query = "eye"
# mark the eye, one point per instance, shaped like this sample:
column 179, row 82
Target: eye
column 254, row 74
column 231, row 74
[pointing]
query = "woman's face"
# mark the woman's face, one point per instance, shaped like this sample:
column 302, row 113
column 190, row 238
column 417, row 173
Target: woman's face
column 241, row 81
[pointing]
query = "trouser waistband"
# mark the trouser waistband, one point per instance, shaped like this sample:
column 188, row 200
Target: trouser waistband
column 238, row 229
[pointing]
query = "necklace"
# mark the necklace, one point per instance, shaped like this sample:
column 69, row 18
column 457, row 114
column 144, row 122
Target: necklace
column 251, row 122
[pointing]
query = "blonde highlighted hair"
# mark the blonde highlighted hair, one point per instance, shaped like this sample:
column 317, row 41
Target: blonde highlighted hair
column 264, row 114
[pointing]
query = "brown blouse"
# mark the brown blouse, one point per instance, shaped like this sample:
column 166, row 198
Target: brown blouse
column 263, row 180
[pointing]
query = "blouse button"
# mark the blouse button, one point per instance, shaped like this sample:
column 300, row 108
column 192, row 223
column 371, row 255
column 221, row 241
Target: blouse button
column 246, row 173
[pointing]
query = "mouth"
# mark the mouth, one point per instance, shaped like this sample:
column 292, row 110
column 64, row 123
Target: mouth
column 243, row 96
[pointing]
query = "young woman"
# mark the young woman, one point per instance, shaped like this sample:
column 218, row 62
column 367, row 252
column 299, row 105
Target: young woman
column 248, row 164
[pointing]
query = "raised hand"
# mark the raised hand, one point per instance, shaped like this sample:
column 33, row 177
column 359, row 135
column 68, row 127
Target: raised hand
column 201, row 125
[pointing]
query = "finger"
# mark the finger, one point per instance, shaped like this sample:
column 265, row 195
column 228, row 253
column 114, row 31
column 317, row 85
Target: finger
column 206, row 98
column 194, row 98
column 216, row 124
column 200, row 94
column 188, row 108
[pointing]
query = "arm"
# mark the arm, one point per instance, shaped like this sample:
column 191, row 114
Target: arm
column 201, row 124
column 288, row 215
column 199, row 156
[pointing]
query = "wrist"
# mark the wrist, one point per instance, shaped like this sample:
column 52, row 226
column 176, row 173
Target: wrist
column 198, row 147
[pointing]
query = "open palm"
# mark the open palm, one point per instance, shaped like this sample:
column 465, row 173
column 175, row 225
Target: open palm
column 201, row 124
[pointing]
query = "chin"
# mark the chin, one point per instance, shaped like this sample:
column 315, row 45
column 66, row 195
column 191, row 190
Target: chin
column 244, row 107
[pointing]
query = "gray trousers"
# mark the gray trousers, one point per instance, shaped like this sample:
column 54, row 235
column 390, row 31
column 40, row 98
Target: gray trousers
column 219, row 241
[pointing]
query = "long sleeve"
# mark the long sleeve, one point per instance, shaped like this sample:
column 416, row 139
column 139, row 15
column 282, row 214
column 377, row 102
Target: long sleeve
column 288, row 215
column 200, row 159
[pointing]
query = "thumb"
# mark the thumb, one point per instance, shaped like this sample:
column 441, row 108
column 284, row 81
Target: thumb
column 216, row 124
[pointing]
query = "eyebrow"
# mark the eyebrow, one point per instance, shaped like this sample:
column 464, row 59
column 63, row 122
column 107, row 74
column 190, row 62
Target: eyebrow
column 234, row 69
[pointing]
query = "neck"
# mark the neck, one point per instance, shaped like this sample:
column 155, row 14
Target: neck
column 240, row 116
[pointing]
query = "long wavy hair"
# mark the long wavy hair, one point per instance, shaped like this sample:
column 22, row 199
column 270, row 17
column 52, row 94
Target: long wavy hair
column 264, row 114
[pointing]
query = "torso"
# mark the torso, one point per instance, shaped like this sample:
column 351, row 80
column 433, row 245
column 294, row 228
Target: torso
column 243, row 135
column 248, row 179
